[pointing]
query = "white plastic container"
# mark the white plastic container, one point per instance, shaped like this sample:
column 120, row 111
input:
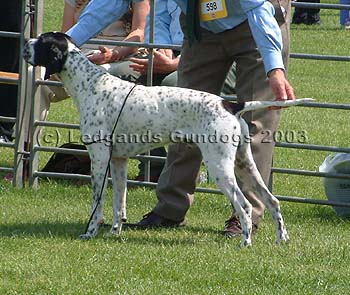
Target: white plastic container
column 337, row 190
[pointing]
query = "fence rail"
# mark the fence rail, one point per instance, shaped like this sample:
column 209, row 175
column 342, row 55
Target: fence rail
column 36, row 148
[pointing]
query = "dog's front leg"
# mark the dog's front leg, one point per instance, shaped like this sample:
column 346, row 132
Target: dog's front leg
column 119, row 171
column 99, row 155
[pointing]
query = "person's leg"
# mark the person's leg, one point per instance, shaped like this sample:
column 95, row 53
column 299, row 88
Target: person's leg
column 155, row 168
column 300, row 15
column 122, row 70
column 342, row 16
column 313, row 15
column 170, row 80
column 156, row 79
column 229, row 87
column 252, row 84
column 198, row 69
column 208, row 72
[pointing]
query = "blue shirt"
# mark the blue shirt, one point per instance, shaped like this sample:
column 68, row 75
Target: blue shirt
column 167, row 28
column 260, row 14
column 97, row 15
column 264, row 27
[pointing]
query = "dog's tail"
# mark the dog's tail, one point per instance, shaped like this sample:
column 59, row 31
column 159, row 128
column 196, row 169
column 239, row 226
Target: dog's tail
column 239, row 109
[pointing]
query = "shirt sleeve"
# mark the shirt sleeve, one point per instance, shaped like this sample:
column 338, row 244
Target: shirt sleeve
column 161, row 24
column 97, row 15
column 167, row 29
column 266, row 32
column 175, row 27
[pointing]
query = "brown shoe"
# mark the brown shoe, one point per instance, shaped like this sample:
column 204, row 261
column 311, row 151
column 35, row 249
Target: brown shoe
column 233, row 227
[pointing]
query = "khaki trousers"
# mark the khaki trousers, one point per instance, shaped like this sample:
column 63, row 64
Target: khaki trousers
column 204, row 66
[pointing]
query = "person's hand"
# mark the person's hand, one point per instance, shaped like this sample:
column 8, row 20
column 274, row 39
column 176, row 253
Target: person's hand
column 280, row 86
column 105, row 55
column 163, row 62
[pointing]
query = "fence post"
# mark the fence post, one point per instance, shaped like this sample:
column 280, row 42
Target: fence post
column 35, row 99
column 20, row 151
column 25, row 103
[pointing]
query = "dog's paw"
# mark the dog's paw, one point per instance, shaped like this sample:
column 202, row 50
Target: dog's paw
column 85, row 237
column 282, row 238
column 246, row 243
column 116, row 230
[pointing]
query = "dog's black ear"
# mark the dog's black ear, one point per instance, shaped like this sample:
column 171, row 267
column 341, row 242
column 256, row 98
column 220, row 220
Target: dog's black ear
column 51, row 51
column 51, row 69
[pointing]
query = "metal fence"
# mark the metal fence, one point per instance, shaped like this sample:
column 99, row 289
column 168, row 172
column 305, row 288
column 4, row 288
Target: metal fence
column 20, row 150
column 27, row 96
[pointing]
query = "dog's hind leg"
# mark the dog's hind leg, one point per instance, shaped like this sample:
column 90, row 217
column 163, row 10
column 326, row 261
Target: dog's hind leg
column 251, row 180
column 222, row 170
column 119, row 170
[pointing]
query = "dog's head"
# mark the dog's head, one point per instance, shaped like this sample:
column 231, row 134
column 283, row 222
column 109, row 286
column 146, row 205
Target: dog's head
column 49, row 50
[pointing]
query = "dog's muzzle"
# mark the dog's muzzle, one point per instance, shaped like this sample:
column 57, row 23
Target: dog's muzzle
column 27, row 52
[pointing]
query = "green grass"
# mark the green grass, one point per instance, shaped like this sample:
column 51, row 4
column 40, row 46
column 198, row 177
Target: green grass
column 41, row 252
column 42, row 255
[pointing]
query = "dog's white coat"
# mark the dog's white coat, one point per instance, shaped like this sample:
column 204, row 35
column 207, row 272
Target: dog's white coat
column 160, row 111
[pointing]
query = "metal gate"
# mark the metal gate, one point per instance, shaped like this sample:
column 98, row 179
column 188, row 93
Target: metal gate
column 28, row 84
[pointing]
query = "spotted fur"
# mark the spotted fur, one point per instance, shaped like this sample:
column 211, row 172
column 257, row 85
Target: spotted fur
column 159, row 111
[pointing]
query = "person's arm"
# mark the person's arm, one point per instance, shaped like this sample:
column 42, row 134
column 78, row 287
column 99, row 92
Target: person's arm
column 106, row 55
column 97, row 15
column 265, row 31
column 268, row 38
column 280, row 85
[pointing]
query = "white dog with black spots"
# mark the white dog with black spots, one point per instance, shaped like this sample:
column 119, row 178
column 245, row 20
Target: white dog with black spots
column 102, row 98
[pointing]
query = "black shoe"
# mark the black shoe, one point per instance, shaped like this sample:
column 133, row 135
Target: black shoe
column 153, row 220
column 299, row 17
column 152, row 178
column 298, row 21
column 314, row 22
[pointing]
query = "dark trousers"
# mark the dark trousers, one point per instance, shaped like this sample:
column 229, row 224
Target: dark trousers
column 308, row 16
column 10, row 20
column 204, row 66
